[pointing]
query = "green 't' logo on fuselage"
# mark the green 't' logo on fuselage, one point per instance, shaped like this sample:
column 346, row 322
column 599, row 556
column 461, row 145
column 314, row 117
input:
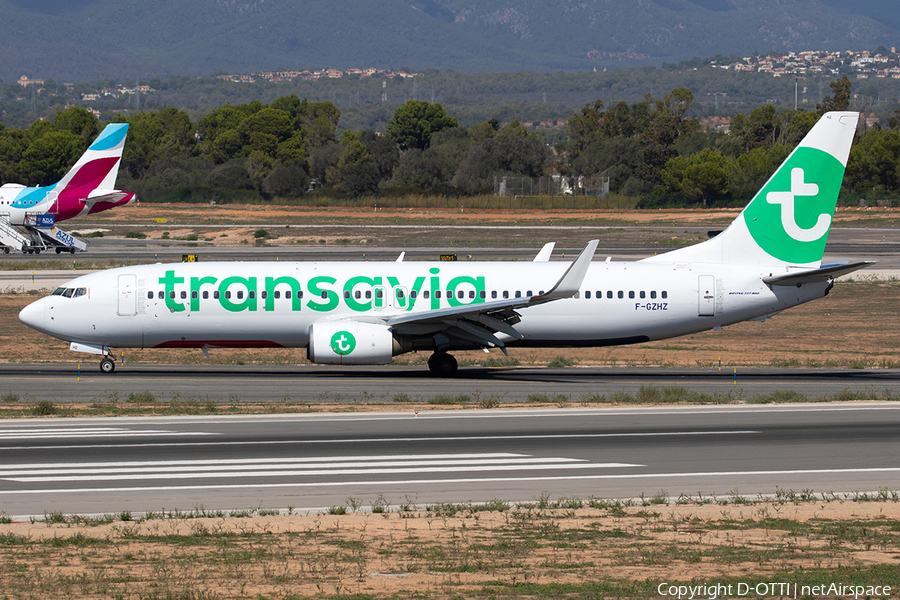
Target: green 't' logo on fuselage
column 343, row 343
column 790, row 217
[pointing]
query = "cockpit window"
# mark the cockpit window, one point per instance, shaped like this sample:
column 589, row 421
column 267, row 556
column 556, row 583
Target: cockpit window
column 69, row 292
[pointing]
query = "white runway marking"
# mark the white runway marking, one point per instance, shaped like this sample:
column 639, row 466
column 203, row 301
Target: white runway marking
column 388, row 482
column 293, row 467
column 44, row 433
column 465, row 438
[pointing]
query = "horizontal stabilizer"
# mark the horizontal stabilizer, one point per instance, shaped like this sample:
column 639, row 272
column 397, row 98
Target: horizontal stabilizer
column 823, row 273
column 105, row 196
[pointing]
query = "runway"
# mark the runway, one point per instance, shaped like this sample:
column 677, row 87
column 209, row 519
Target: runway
column 366, row 385
column 313, row 461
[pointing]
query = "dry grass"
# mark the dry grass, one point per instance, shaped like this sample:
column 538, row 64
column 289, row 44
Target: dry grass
column 566, row 548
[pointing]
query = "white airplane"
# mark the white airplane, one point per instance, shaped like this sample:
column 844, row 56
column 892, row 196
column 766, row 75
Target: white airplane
column 87, row 188
column 356, row 313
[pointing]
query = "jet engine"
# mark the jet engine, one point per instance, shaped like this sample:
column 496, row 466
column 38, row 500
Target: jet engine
column 350, row 343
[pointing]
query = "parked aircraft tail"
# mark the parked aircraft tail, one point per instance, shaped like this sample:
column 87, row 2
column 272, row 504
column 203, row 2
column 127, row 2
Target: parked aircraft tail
column 787, row 222
column 90, row 183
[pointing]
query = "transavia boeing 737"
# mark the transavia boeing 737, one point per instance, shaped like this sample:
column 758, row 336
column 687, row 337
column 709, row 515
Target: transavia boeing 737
column 88, row 188
column 364, row 313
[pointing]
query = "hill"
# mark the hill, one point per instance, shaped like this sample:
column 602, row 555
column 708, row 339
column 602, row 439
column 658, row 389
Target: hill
column 88, row 40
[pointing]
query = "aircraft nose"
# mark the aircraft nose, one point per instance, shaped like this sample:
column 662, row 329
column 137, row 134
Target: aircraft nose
column 33, row 315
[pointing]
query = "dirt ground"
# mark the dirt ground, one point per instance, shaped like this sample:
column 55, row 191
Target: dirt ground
column 558, row 549
column 148, row 214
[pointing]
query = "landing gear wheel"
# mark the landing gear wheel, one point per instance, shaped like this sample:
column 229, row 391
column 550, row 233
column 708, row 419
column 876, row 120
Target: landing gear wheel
column 58, row 250
column 37, row 250
column 6, row 251
column 107, row 365
column 442, row 364
column 71, row 250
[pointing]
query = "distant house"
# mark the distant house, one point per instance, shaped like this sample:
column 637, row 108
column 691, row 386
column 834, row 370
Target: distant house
column 24, row 81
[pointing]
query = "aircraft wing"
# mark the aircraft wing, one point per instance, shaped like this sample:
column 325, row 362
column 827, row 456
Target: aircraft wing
column 478, row 323
column 823, row 273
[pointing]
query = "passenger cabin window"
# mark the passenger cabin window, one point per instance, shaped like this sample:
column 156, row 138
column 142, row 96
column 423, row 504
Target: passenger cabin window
column 587, row 295
column 652, row 295
column 643, row 295
column 665, row 294
column 609, row 294
column 505, row 294
column 149, row 295
column 494, row 294
column 621, row 294
column 277, row 294
column 631, row 295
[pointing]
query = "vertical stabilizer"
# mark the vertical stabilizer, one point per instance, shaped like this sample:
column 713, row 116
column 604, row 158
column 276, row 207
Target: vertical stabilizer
column 787, row 222
column 98, row 167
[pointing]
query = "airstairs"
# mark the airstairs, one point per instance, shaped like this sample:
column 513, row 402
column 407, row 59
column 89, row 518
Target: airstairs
column 62, row 241
column 10, row 236
column 36, row 236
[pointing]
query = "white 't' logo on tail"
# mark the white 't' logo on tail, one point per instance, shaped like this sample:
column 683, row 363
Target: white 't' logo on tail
column 786, row 200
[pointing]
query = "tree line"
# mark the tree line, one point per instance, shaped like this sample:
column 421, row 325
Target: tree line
column 290, row 148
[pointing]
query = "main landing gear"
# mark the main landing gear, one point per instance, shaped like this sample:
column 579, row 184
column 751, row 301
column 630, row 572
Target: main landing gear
column 442, row 364
column 107, row 365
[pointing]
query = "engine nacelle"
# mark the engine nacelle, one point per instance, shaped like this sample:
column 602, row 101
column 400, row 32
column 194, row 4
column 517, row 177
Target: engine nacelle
column 350, row 343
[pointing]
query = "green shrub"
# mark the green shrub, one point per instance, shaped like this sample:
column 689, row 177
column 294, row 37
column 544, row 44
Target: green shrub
column 561, row 361
column 44, row 408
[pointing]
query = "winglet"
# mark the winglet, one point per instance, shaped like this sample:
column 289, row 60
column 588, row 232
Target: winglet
column 569, row 284
column 545, row 252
